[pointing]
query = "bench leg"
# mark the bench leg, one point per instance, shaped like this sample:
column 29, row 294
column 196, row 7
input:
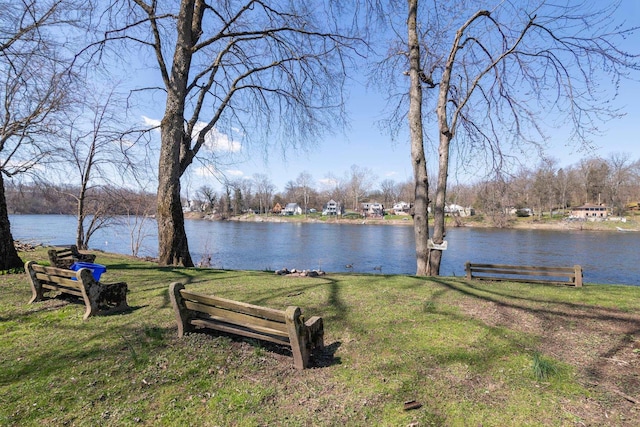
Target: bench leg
column 297, row 337
column 181, row 312
column 36, row 287
column 315, row 332
column 102, row 297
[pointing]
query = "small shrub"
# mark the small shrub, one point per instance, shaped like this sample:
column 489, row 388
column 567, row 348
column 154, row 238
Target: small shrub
column 543, row 368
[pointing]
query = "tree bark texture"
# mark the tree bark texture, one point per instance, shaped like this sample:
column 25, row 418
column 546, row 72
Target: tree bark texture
column 418, row 160
column 173, row 248
column 9, row 258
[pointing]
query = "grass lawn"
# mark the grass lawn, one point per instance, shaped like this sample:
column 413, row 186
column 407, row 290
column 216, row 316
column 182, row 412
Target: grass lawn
column 468, row 354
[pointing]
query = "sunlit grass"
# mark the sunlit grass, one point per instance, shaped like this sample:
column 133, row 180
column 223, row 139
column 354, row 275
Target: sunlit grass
column 390, row 339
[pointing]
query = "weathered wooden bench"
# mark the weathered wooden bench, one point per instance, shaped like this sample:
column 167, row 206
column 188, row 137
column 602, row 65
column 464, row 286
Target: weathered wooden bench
column 286, row 328
column 518, row 273
column 98, row 297
column 66, row 257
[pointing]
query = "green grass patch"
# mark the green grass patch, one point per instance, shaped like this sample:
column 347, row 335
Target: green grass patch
column 471, row 353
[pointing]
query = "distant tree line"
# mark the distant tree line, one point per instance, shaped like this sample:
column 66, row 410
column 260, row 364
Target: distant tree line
column 545, row 188
column 42, row 198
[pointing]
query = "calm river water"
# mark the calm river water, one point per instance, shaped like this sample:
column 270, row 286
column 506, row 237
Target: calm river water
column 606, row 257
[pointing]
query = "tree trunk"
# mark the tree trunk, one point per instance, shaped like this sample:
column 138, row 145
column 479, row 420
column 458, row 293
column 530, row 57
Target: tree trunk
column 421, row 181
column 80, row 241
column 173, row 248
column 9, row 258
column 435, row 256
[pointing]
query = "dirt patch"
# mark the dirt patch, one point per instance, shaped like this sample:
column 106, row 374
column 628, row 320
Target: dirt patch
column 603, row 344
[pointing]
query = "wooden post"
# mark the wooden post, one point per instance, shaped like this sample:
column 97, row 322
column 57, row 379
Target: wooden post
column 467, row 268
column 578, row 272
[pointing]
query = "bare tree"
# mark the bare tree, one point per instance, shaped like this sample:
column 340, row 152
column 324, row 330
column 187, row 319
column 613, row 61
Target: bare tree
column 97, row 152
column 271, row 69
column 496, row 76
column 543, row 188
column 390, row 192
column 334, row 188
column 619, row 181
column 34, row 84
column 493, row 199
column 565, row 180
column 305, row 184
column 208, row 196
column 264, row 192
column 359, row 183
column 593, row 173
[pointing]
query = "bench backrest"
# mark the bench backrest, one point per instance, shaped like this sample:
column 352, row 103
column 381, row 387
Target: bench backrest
column 286, row 327
column 534, row 274
column 68, row 281
column 235, row 317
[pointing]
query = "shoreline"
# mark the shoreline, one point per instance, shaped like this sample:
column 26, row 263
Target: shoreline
column 521, row 223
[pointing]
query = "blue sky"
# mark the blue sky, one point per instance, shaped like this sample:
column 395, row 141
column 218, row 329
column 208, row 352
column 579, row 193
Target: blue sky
column 366, row 146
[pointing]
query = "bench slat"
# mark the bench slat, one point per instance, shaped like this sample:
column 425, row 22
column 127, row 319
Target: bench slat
column 53, row 270
column 67, row 290
column 250, row 309
column 204, row 323
column 523, row 273
column 521, row 267
column 240, row 319
column 50, row 278
column 534, row 274
column 518, row 279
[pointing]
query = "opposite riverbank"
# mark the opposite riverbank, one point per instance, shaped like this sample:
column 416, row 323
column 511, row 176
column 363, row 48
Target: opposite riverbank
column 629, row 223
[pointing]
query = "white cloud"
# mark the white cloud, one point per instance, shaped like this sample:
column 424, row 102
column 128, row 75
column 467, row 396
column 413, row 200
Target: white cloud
column 214, row 140
column 151, row 122
column 217, row 141
column 234, row 172
column 328, row 182
column 390, row 174
column 208, row 172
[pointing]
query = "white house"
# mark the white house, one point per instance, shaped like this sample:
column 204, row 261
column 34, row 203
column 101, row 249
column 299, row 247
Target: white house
column 401, row 208
column 332, row 208
column 454, row 209
column 292, row 209
column 590, row 211
column 372, row 209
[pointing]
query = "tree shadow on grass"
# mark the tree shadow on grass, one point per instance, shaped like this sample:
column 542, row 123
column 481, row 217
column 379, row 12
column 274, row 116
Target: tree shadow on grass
column 320, row 358
column 589, row 337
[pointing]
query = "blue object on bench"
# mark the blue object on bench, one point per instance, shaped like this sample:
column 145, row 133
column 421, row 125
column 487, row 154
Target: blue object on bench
column 96, row 269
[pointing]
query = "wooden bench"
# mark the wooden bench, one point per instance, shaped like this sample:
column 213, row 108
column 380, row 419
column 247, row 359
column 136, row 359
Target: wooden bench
column 517, row 273
column 287, row 327
column 66, row 257
column 98, row 297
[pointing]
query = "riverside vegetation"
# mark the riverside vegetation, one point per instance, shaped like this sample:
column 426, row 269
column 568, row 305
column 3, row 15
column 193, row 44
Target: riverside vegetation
column 400, row 350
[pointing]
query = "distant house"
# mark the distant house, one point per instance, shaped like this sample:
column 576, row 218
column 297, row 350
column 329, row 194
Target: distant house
column 277, row 209
column 372, row 209
column 292, row 209
column 332, row 208
column 401, row 208
column 590, row 211
column 454, row 209
column 521, row 212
